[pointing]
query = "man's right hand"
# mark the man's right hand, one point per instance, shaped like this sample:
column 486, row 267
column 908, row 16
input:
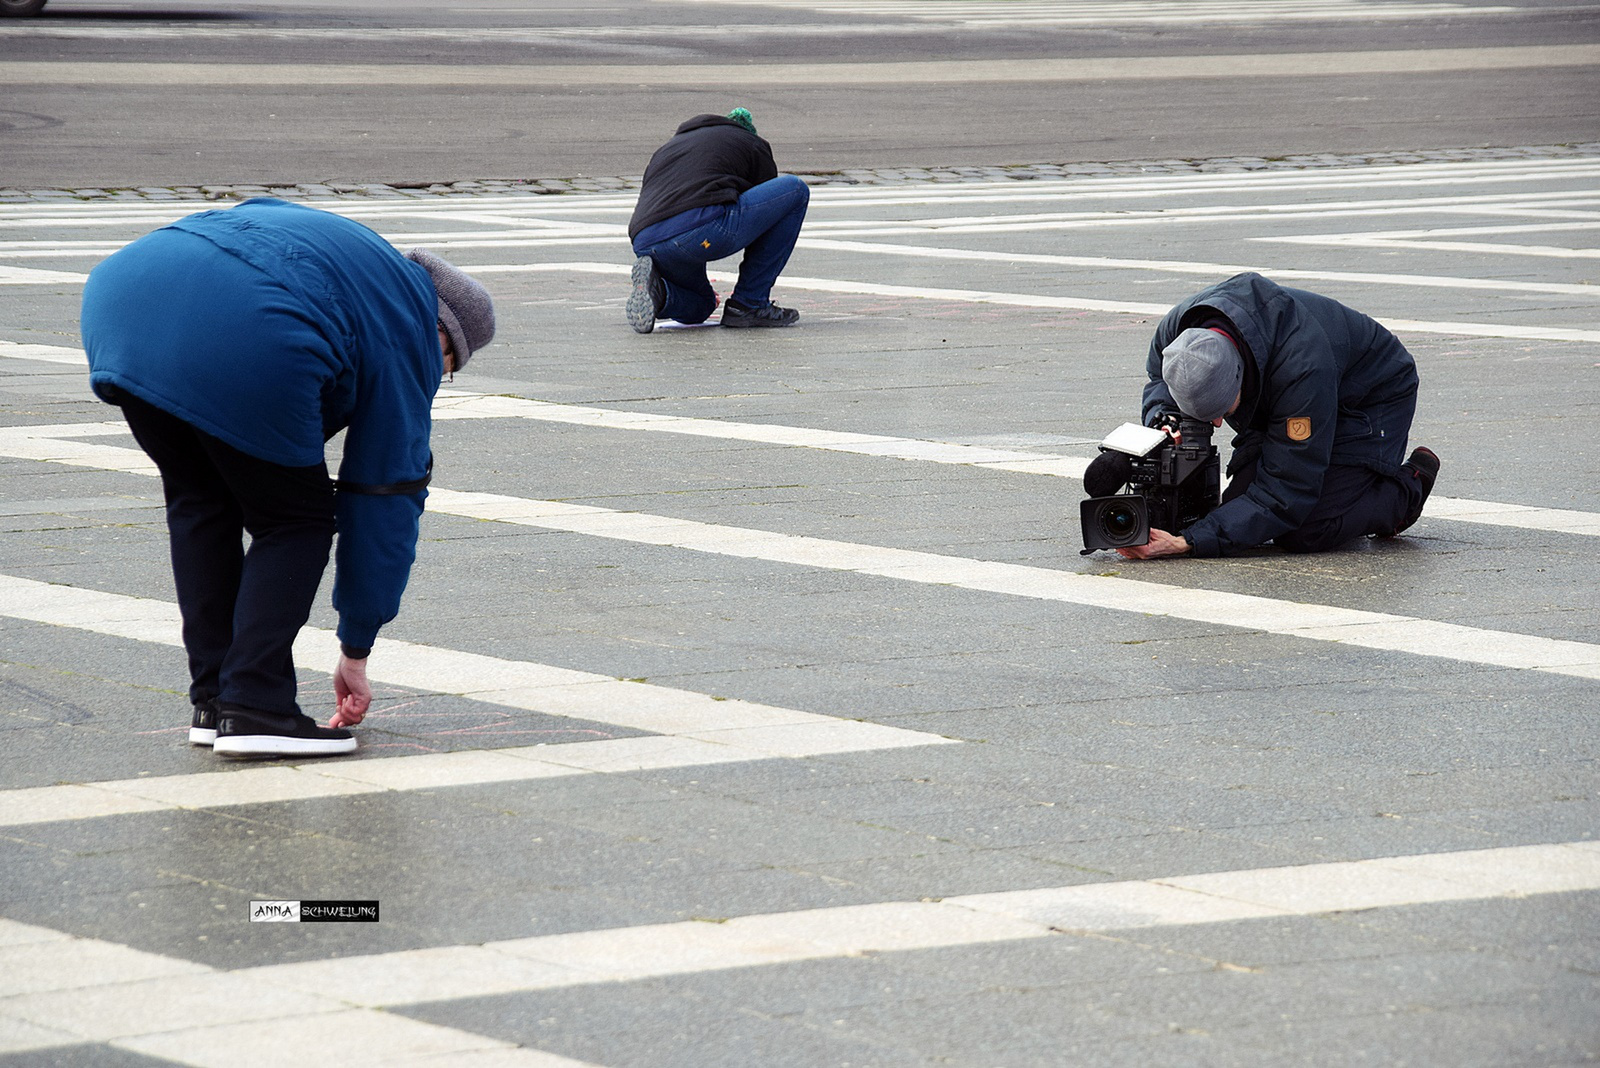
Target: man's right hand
column 1161, row 544
column 352, row 693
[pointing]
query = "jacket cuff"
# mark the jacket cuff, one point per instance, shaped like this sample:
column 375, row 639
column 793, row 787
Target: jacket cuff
column 1202, row 542
column 355, row 652
column 357, row 636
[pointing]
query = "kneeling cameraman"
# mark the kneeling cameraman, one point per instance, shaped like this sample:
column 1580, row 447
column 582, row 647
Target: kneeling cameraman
column 1320, row 398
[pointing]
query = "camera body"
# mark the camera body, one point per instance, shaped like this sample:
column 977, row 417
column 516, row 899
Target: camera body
column 1171, row 483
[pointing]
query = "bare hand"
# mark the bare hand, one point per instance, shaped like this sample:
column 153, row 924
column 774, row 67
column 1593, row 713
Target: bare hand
column 1161, row 544
column 352, row 693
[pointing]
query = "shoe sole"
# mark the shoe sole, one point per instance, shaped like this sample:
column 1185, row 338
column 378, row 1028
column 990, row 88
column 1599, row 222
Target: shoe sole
column 641, row 308
column 251, row 745
column 746, row 324
column 202, row 736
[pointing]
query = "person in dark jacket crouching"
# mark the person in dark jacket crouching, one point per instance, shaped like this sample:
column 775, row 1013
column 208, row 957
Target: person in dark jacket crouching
column 1320, row 398
column 237, row 342
column 710, row 191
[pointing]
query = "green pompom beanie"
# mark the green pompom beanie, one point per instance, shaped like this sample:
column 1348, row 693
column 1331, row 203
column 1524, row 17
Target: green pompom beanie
column 742, row 117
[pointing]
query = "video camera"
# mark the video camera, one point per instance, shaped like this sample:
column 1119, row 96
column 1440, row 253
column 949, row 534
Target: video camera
column 1172, row 483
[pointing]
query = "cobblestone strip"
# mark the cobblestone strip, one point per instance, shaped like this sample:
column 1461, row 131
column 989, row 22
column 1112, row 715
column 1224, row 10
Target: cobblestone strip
column 864, row 176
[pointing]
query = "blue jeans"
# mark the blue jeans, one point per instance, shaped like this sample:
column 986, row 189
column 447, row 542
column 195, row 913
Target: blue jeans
column 765, row 222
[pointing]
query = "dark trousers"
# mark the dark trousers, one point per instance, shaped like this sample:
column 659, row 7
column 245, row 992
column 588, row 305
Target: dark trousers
column 241, row 608
column 1355, row 502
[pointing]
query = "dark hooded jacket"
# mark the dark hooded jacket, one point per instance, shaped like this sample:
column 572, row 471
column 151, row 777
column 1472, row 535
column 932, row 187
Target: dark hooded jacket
column 710, row 160
column 1324, row 385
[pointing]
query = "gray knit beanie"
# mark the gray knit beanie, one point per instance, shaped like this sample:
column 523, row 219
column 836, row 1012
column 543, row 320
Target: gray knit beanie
column 1203, row 371
column 465, row 310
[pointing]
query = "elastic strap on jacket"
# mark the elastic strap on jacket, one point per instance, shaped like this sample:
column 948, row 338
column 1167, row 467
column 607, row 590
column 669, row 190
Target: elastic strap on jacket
column 392, row 489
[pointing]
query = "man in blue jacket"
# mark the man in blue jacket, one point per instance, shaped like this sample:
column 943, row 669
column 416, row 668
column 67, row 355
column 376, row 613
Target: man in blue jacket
column 237, row 343
column 710, row 191
column 1320, row 398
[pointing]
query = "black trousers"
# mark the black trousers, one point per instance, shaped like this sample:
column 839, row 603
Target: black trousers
column 1355, row 502
column 241, row 608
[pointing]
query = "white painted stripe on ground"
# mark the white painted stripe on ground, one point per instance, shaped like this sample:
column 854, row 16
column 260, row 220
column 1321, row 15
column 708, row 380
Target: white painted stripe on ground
column 1075, row 13
column 61, row 354
column 688, row 729
column 453, row 405
column 33, row 276
column 535, row 211
column 1565, row 226
column 1526, row 517
column 1299, row 207
column 1403, row 177
column 1494, row 248
column 1499, row 203
column 540, row 233
column 80, row 990
column 995, row 15
column 54, row 443
column 1064, row 303
column 1374, row 630
column 633, row 953
column 1210, row 270
column 1029, row 300
column 57, row 990
column 1299, row 65
column 1230, row 214
column 522, row 235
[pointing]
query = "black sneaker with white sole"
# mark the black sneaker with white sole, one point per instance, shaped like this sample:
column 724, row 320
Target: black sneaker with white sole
column 735, row 314
column 649, row 296
column 248, row 732
column 203, row 726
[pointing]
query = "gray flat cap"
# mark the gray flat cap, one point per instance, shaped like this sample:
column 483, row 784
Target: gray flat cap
column 1204, row 371
column 464, row 305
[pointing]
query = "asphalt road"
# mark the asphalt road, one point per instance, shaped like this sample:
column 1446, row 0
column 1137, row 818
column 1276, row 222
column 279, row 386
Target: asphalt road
column 118, row 93
column 751, row 702
column 790, row 633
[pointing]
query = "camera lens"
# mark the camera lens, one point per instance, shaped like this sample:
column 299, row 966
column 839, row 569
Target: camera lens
column 1119, row 521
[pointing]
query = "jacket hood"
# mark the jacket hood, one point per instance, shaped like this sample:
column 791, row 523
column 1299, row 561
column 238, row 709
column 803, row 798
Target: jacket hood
column 1256, row 306
column 1262, row 313
column 701, row 121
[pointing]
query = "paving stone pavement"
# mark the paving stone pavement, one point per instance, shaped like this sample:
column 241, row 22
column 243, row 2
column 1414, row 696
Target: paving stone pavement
column 751, row 703
column 864, row 176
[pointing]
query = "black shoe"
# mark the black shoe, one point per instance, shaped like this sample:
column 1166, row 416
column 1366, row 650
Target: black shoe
column 769, row 314
column 246, row 732
column 1422, row 465
column 203, row 727
column 649, row 296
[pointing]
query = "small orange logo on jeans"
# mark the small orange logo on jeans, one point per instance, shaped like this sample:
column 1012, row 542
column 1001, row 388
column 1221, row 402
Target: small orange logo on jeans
column 1299, row 428
column 705, row 244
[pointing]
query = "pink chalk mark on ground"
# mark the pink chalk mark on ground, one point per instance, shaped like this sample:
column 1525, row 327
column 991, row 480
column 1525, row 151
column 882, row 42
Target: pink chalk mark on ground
column 466, row 723
column 422, row 725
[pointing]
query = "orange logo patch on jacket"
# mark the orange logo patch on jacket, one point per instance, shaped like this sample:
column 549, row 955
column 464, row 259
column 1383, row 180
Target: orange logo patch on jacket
column 1299, row 428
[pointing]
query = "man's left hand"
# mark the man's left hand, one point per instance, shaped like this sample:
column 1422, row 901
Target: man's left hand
column 1161, row 544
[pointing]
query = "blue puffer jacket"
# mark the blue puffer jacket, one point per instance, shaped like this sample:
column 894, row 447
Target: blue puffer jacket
column 1331, row 386
column 274, row 326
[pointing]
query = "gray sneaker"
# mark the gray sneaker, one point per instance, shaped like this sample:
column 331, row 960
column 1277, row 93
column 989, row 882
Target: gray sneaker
column 649, row 296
